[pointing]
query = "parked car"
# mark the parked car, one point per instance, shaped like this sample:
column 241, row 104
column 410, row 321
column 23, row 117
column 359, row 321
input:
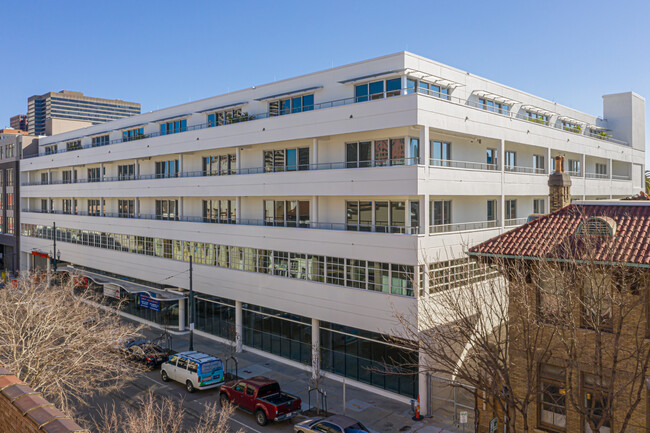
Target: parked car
column 262, row 397
column 147, row 353
column 332, row 424
column 195, row 369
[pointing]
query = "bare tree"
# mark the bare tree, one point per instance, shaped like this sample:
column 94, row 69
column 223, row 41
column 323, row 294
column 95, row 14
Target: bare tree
column 60, row 343
column 163, row 415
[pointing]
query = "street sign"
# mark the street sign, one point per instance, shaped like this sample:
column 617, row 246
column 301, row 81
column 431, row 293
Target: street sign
column 149, row 302
column 494, row 423
column 463, row 417
column 112, row 291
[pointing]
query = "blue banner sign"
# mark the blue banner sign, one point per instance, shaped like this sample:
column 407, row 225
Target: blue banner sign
column 147, row 301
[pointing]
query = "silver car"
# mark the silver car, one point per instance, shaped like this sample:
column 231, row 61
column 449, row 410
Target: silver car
column 332, row 424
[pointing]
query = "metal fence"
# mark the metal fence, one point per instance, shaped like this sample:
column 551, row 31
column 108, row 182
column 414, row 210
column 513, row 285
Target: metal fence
column 449, row 400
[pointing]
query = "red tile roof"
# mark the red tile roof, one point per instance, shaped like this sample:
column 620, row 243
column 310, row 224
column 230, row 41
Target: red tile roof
column 548, row 236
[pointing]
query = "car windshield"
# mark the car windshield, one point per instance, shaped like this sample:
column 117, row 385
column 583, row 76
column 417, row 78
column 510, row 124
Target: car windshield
column 357, row 428
column 211, row 366
column 271, row 388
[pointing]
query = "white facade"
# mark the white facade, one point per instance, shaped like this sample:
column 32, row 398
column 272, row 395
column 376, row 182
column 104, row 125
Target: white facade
column 606, row 157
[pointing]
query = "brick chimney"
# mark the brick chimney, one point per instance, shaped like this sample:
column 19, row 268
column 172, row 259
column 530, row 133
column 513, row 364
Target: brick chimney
column 559, row 186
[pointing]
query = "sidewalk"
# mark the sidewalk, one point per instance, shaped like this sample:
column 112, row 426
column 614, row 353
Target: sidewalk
column 377, row 412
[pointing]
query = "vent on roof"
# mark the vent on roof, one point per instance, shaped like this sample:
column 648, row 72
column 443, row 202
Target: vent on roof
column 599, row 226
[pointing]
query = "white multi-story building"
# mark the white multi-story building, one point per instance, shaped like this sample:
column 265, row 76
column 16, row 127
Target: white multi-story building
column 312, row 206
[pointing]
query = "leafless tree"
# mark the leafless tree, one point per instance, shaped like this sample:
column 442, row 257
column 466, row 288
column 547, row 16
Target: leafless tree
column 153, row 414
column 60, row 343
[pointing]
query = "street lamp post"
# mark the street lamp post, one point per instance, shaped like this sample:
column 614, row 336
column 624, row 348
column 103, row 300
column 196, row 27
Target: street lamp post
column 192, row 315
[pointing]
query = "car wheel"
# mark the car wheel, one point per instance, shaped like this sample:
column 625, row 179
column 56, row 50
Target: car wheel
column 223, row 400
column 189, row 386
column 163, row 376
column 260, row 417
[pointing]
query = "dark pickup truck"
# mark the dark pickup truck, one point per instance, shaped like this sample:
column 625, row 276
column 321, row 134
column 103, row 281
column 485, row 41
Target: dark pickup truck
column 262, row 397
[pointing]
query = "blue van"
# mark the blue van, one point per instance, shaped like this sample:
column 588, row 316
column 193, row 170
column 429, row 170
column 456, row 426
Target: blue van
column 194, row 369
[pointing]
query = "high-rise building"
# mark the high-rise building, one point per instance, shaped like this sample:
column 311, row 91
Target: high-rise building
column 19, row 121
column 317, row 208
column 74, row 109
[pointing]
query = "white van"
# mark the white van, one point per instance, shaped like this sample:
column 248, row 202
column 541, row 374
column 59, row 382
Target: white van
column 194, row 369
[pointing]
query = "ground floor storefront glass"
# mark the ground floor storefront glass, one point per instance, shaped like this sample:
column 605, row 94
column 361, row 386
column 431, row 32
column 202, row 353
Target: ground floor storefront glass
column 215, row 316
column 283, row 334
column 367, row 357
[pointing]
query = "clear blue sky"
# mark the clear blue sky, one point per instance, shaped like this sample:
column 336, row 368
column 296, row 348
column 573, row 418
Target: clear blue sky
column 162, row 53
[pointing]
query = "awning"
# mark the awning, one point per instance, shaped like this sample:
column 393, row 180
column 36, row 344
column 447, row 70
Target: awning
column 223, row 107
column 367, row 77
column 438, row 81
column 571, row 120
column 172, row 117
column 129, row 286
column 122, row 128
column 494, row 97
column 537, row 110
column 293, row 92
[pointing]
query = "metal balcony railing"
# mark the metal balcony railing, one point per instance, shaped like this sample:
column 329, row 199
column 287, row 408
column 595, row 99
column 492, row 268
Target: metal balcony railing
column 511, row 222
column 596, row 176
column 621, row 177
column 522, row 169
column 458, row 227
column 462, row 164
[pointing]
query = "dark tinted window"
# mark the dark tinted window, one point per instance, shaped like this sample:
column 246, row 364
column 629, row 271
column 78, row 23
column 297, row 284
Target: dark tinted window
column 271, row 388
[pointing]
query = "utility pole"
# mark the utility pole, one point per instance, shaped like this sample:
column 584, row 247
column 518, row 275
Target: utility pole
column 54, row 253
column 191, row 309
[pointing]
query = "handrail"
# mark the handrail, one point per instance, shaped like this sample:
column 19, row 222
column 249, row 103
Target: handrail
column 596, row 176
column 462, row 164
column 522, row 169
column 376, row 228
column 510, row 222
column 246, row 117
column 396, row 162
column 458, row 227
column 621, row 177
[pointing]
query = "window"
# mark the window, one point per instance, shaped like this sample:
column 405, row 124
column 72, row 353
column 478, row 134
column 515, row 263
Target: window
column 379, row 277
column 11, row 229
column 9, row 151
column 219, row 165
column 401, row 280
column 511, row 209
column 538, row 205
column 100, row 140
column 49, row 150
column 289, row 213
column 492, row 158
column 286, row 159
column 596, row 402
column 359, row 215
column 440, row 215
column 69, row 176
column 538, row 163
column 133, row 134
column 495, row 107
column 511, row 160
column 167, row 210
column 397, row 151
column 571, row 127
column 537, row 118
column 167, row 168
column 94, row 174
column 552, row 405
column 173, row 127
column 10, row 201
column 226, row 117
column 440, row 153
column 126, row 172
column 43, row 204
column 574, row 166
column 44, row 178
column 601, row 169
column 66, row 206
column 428, row 89
column 397, row 216
column 126, row 208
column 73, row 145
column 291, row 105
column 358, row 154
column 597, row 304
column 492, row 210
column 94, row 207
column 550, row 304
column 336, row 271
column 10, row 176
column 219, row 211
column 375, row 89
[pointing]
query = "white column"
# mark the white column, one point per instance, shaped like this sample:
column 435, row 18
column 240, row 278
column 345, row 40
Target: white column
column 239, row 326
column 238, row 210
column 137, row 169
column 137, row 207
column 101, row 172
column 425, row 147
column 181, row 208
column 181, row 314
column 403, row 85
column 423, row 387
column 102, row 211
column 425, row 216
column 238, row 159
column 180, row 164
column 548, row 160
column 314, row 211
column 501, row 160
column 315, row 347
column 314, row 151
column 611, row 182
column 49, row 176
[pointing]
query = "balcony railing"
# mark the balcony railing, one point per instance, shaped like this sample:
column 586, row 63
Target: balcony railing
column 522, row 169
column 397, row 162
column 462, row 164
column 246, row 117
column 621, row 177
column 458, row 227
column 511, row 222
column 596, row 176
column 376, row 228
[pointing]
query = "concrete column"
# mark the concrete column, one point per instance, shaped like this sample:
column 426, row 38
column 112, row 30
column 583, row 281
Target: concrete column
column 181, row 208
column 180, row 164
column 314, row 151
column 137, row 207
column 49, row 176
column 102, row 210
column 425, row 146
column 238, row 159
column 423, row 387
column 239, row 326
column 314, row 211
column 425, row 216
column 315, row 347
column 181, row 314
column 583, row 174
column 238, row 210
column 101, row 172
column 137, row 169
column 501, row 160
column 609, row 173
column 548, row 161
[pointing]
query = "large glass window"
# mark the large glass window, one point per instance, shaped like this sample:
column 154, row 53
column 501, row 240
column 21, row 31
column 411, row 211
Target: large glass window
column 126, row 172
column 378, row 89
column 286, row 213
column 492, row 159
column 496, row 107
column 537, row 118
column 440, row 153
column 126, row 208
column 173, row 127
column 358, row 154
column 538, row 163
column 552, row 403
column 595, row 402
column 100, row 140
column 11, row 176
column 219, row 165
column 73, row 145
column 220, row 211
column 133, row 134
column 167, row 168
column 94, row 207
column 167, row 210
column 94, row 174
column 511, row 160
column 286, row 159
column 440, row 215
column 492, row 210
column 227, row 117
column 359, row 215
column 397, row 151
column 397, row 216
column 511, row 209
column 296, row 104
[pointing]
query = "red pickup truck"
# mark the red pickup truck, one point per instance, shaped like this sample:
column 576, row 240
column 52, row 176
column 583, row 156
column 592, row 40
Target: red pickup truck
column 262, row 397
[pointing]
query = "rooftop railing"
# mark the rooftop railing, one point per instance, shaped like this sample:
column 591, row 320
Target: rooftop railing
column 246, row 117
